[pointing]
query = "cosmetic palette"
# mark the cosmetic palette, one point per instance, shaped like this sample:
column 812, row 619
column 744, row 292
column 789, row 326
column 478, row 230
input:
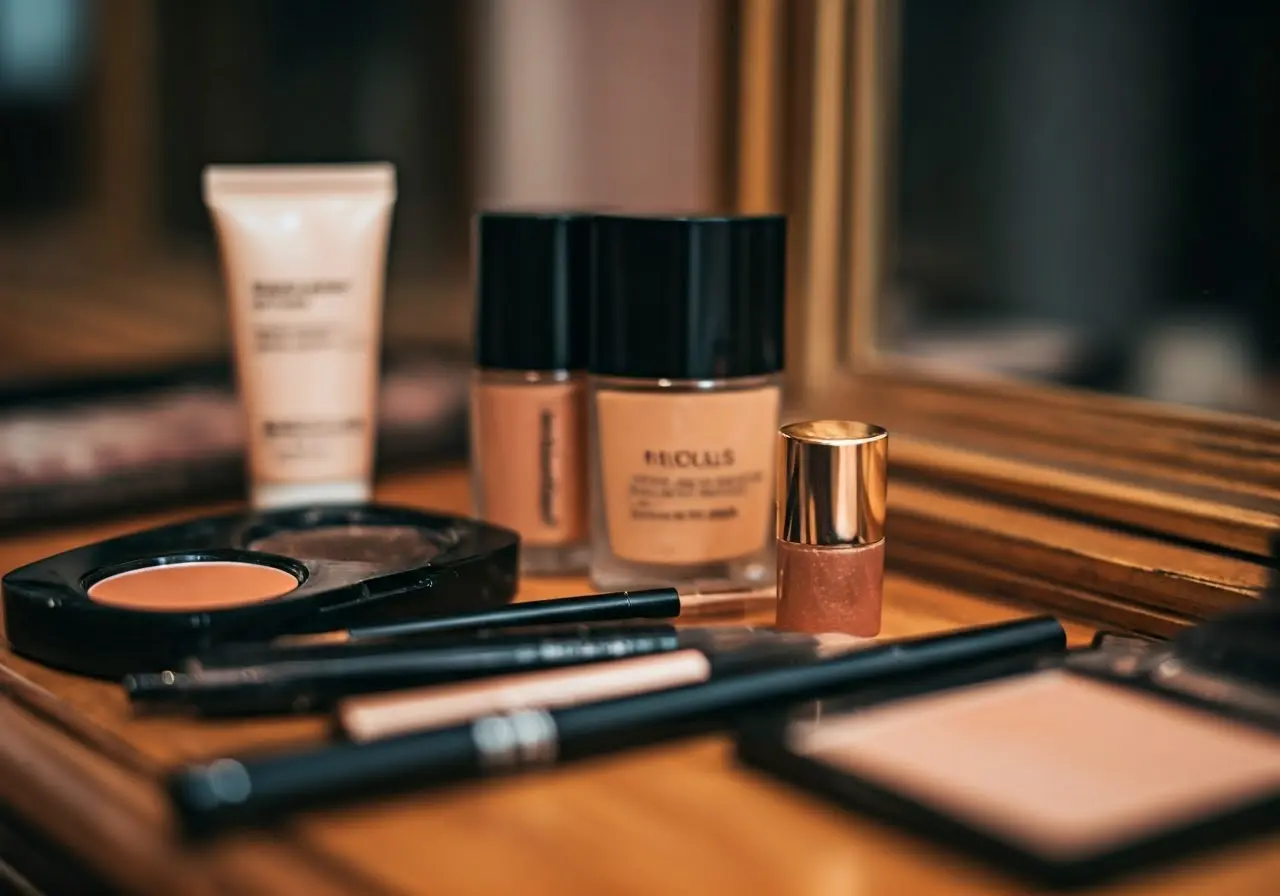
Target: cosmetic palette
column 144, row 602
column 1098, row 763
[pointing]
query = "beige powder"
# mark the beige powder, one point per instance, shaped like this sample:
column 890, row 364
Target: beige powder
column 193, row 587
column 687, row 477
column 529, row 445
column 1059, row 762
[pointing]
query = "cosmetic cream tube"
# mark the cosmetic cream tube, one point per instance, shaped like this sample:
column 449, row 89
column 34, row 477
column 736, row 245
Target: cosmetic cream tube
column 304, row 256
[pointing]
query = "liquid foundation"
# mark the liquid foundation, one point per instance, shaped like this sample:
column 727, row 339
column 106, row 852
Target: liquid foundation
column 685, row 395
column 832, row 490
column 304, row 257
column 528, row 397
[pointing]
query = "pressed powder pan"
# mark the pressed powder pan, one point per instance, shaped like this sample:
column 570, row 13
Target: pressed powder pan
column 144, row 601
column 1069, row 775
column 196, row 585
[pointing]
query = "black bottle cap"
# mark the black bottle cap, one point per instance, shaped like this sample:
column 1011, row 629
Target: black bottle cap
column 689, row 297
column 533, row 290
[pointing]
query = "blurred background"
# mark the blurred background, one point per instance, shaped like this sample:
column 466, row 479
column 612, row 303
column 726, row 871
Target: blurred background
column 1089, row 193
column 115, row 384
column 1079, row 193
column 109, row 111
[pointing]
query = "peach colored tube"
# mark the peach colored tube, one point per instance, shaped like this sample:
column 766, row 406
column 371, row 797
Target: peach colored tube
column 304, row 258
column 373, row 718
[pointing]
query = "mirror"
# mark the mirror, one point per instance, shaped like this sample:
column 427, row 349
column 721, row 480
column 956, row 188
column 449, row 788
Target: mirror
column 1087, row 194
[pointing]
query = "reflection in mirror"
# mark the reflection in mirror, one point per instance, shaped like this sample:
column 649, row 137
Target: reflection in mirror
column 1089, row 194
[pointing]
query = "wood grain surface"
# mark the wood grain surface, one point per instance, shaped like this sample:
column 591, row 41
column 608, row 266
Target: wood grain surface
column 675, row 819
column 1196, row 511
column 1140, row 568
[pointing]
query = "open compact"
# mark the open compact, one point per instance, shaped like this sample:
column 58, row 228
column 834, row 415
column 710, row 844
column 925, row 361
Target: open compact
column 1098, row 763
column 144, row 601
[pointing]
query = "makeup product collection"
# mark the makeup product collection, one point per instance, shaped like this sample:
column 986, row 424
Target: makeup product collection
column 624, row 423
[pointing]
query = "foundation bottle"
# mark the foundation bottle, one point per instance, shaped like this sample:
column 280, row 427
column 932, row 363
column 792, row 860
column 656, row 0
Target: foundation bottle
column 686, row 357
column 832, row 490
column 528, row 395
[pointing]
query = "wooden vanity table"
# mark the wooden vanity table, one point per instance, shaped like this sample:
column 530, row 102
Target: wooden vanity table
column 83, row 812
column 1011, row 494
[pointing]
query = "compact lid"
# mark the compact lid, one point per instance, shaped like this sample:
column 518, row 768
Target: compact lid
column 533, row 290
column 689, row 297
column 833, row 479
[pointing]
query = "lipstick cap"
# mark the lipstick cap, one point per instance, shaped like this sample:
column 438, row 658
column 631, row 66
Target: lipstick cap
column 833, row 478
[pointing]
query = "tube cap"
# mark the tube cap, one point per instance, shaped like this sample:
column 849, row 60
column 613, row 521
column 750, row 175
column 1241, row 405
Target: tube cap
column 533, row 290
column 833, row 478
column 689, row 298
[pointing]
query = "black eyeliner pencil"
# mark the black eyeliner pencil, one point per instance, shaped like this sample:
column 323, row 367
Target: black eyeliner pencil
column 257, row 679
column 652, row 603
column 230, row 791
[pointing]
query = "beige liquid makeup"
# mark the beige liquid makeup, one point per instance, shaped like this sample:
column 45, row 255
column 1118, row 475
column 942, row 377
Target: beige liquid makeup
column 686, row 357
column 304, row 257
column 528, row 396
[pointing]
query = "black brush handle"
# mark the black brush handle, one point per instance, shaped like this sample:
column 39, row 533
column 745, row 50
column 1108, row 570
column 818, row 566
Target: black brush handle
column 655, row 603
column 230, row 792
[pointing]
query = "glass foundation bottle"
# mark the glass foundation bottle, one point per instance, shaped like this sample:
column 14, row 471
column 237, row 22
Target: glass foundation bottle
column 528, row 393
column 685, row 394
column 832, row 493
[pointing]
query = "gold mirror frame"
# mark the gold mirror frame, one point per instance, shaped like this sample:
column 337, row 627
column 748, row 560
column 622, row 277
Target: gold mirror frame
column 1011, row 484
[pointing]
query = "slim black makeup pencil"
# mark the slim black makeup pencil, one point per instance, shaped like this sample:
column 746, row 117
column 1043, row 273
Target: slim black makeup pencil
column 652, row 603
column 234, row 791
column 270, row 679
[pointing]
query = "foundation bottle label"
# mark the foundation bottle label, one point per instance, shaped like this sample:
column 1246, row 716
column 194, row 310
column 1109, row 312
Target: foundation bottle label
column 687, row 478
column 529, row 442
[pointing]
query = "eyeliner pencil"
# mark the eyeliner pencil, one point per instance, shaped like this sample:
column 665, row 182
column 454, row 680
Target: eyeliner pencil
column 616, row 606
column 651, row 603
column 272, row 679
column 228, row 792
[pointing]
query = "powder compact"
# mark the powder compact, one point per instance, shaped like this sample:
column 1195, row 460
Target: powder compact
column 1096, row 763
column 142, row 602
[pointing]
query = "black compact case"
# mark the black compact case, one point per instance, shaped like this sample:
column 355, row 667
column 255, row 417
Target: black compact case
column 1176, row 673
column 348, row 574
